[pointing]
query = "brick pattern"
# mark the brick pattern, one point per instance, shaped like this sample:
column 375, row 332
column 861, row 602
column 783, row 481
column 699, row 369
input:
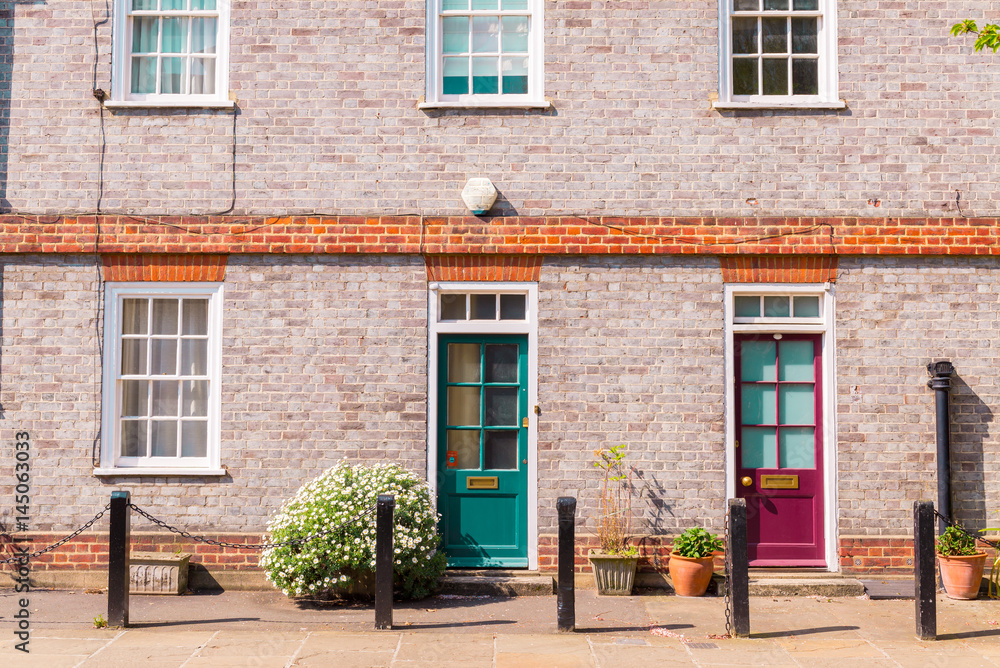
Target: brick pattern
column 483, row 267
column 779, row 269
column 503, row 236
column 167, row 267
column 888, row 555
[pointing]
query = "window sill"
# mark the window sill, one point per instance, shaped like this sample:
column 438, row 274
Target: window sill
column 179, row 104
column 544, row 104
column 839, row 104
column 160, row 471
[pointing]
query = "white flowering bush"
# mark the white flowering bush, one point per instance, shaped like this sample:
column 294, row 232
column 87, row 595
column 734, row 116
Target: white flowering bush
column 340, row 561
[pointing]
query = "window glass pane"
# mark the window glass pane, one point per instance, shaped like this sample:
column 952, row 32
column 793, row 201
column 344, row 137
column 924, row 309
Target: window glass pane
column 452, row 306
column 775, row 5
column 463, row 406
column 485, row 34
column 484, row 78
column 164, row 316
column 164, row 357
column 463, row 362
column 747, row 307
column 203, row 35
column 804, row 35
column 774, row 35
column 758, row 448
column 202, row 76
column 144, row 75
column 172, row 75
column 775, row 78
column 515, row 34
column 465, row 445
column 515, row 80
column 806, row 307
column 776, row 307
column 455, row 34
column 797, row 448
column 133, row 438
column 484, row 4
column 797, row 404
column 134, row 316
column 134, row 357
column 456, row 82
column 174, row 35
column 746, row 5
column 194, row 438
column 205, row 5
column 744, row 35
column 452, row 5
column 512, row 307
column 163, row 441
column 194, row 357
column 173, row 4
column 501, row 363
column 144, row 32
column 757, row 360
column 513, row 5
column 195, row 316
column 484, row 307
column 758, row 404
column 744, row 76
column 135, row 398
column 795, row 360
column 805, row 5
column 501, row 407
column 805, row 76
column 194, row 400
column 500, row 450
column 165, row 398
column 143, row 5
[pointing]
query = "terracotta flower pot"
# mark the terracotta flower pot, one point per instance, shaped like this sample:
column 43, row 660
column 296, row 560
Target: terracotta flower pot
column 962, row 575
column 691, row 575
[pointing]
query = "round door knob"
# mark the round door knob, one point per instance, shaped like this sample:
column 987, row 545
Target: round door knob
column 747, row 481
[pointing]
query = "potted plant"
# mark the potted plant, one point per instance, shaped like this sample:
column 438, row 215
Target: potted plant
column 993, row 591
column 961, row 564
column 614, row 564
column 691, row 561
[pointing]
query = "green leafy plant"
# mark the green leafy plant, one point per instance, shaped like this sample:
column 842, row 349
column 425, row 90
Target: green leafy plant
column 986, row 38
column 100, row 622
column 614, row 516
column 696, row 543
column 336, row 563
column 956, row 543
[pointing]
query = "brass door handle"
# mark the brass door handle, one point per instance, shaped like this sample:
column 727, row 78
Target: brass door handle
column 747, row 481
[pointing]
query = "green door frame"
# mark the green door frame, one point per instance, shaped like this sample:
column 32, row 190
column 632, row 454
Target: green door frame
column 484, row 511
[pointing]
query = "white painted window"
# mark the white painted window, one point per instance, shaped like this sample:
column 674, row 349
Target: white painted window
column 484, row 53
column 170, row 53
column 162, row 375
column 778, row 53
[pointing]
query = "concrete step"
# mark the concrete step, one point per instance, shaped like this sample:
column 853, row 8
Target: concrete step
column 470, row 582
column 832, row 586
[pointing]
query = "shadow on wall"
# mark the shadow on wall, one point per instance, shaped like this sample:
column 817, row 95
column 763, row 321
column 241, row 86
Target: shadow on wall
column 970, row 431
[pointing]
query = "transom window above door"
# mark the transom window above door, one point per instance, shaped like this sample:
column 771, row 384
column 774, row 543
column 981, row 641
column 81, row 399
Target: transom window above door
column 777, row 308
column 459, row 306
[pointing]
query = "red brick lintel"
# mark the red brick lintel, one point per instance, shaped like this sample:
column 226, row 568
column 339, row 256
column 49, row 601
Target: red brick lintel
column 500, row 236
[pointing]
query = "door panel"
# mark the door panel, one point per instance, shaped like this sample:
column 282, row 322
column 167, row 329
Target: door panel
column 779, row 448
column 482, row 452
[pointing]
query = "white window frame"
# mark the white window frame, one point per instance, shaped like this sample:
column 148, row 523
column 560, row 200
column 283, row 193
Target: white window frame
column 527, row 326
column 121, row 58
column 534, row 99
column 828, row 97
column 823, row 325
column 111, row 462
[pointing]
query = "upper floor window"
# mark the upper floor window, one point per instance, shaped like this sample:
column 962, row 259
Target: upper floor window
column 171, row 53
column 778, row 53
column 484, row 53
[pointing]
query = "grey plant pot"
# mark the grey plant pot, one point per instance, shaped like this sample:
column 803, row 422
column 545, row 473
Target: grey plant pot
column 614, row 575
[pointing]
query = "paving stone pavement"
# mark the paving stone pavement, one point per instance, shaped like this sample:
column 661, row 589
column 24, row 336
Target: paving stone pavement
column 265, row 629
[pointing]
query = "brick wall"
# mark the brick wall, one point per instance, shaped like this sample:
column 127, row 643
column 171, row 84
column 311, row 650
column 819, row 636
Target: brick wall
column 328, row 121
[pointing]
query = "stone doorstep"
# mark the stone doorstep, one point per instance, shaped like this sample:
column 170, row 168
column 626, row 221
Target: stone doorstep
column 468, row 582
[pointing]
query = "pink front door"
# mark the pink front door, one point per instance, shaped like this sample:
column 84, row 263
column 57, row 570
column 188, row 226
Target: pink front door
column 779, row 447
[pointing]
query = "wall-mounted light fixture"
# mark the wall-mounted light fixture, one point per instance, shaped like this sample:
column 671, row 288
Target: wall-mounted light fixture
column 479, row 194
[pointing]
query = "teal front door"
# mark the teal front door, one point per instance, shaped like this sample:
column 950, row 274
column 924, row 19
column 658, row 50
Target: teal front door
column 483, row 450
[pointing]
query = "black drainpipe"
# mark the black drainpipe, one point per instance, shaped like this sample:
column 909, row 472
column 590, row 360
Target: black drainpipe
column 941, row 384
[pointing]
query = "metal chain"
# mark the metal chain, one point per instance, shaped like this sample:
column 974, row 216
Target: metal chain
column 994, row 544
column 60, row 543
column 729, row 579
column 251, row 546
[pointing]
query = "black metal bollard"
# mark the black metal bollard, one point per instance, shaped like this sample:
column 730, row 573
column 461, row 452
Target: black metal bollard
column 384, row 509
column 566, row 599
column 941, row 384
column 739, row 575
column 924, row 579
column 118, row 559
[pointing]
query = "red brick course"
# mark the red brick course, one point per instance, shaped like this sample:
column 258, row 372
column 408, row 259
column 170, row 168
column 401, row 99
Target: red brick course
column 518, row 235
column 779, row 269
column 483, row 267
column 164, row 267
